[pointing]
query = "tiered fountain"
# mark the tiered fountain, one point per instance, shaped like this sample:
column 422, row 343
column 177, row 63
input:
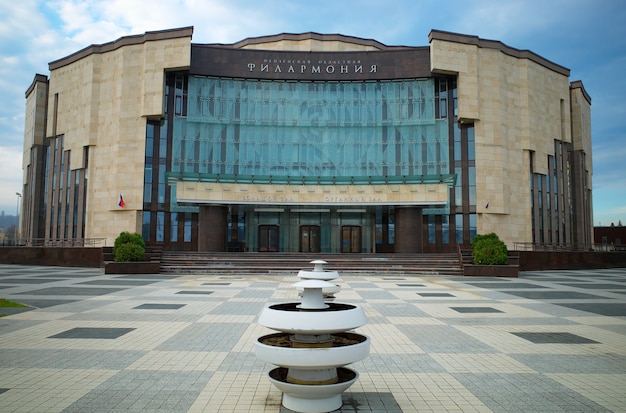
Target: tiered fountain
column 313, row 345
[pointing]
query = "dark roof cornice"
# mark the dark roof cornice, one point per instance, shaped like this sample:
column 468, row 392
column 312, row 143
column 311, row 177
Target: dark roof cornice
column 122, row 41
column 310, row 36
column 578, row 84
column 497, row 45
column 38, row 79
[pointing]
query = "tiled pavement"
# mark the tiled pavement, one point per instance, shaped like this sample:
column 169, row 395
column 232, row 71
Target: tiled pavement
column 545, row 342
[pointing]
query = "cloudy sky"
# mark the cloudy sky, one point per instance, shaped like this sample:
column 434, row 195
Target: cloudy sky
column 586, row 36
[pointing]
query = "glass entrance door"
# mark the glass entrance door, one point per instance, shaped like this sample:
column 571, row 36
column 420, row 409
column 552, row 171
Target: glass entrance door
column 268, row 238
column 350, row 238
column 310, row 238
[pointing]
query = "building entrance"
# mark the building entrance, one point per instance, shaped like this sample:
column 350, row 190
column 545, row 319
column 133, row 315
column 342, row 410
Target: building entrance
column 269, row 238
column 311, row 230
column 350, row 238
column 310, row 238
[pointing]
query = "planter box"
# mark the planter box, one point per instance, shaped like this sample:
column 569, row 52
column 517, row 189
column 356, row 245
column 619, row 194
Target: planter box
column 472, row 270
column 140, row 267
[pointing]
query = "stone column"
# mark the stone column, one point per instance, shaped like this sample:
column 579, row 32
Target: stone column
column 212, row 228
column 408, row 226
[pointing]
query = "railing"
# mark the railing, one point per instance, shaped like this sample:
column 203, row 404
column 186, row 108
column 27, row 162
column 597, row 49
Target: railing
column 459, row 254
column 609, row 247
column 534, row 246
column 55, row 242
column 174, row 177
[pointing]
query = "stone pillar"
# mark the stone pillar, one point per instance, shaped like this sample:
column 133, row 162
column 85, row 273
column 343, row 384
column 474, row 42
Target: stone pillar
column 408, row 226
column 212, row 228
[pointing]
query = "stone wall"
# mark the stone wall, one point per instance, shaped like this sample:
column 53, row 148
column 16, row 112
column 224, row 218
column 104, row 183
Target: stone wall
column 101, row 98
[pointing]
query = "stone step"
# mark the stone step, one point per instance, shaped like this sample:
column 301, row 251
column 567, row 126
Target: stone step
column 413, row 264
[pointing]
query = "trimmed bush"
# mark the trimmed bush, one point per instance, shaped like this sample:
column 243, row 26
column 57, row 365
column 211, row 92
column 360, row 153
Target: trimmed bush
column 129, row 247
column 128, row 237
column 489, row 249
column 129, row 253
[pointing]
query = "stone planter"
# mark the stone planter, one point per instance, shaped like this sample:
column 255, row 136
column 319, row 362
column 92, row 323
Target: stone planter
column 139, row 267
column 473, row 270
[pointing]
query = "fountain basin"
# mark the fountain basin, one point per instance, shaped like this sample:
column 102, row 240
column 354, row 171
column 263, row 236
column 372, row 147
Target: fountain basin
column 346, row 348
column 318, row 275
column 331, row 290
column 289, row 318
column 312, row 399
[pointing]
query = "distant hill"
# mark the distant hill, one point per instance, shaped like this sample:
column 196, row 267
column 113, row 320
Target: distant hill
column 7, row 221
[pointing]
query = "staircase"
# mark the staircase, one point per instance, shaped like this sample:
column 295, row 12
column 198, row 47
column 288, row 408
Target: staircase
column 185, row 262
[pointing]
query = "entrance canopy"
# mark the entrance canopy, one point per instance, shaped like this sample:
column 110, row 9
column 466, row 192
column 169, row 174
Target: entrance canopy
column 422, row 190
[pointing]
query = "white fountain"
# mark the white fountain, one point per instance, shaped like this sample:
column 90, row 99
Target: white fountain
column 314, row 344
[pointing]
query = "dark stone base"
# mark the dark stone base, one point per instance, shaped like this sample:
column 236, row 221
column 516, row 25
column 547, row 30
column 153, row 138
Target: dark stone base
column 471, row 270
column 141, row 267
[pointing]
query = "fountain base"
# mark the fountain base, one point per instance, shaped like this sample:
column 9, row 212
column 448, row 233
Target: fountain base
column 312, row 398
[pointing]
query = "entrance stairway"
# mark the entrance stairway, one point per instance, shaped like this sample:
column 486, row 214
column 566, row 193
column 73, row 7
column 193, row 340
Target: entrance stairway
column 185, row 262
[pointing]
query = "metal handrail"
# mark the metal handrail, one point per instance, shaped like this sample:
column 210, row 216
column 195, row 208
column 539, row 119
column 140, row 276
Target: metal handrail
column 535, row 246
column 55, row 242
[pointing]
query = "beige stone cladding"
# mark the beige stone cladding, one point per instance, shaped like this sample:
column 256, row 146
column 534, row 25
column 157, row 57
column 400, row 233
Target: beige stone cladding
column 581, row 125
column 102, row 100
column 581, row 137
column 34, row 118
column 519, row 104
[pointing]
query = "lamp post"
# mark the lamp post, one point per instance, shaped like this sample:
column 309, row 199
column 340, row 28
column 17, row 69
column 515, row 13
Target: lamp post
column 17, row 215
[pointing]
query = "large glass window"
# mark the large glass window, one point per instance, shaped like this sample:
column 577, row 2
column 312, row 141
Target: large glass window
column 277, row 128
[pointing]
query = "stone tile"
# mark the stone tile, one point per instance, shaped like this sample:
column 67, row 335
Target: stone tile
column 553, row 337
column 93, row 333
column 157, row 306
column 555, row 295
column 195, row 352
column 474, row 310
column 67, row 291
column 607, row 309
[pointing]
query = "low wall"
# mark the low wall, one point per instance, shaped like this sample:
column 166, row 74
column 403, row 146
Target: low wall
column 63, row 257
column 579, row 260
column 471, row 270
column 142, row 267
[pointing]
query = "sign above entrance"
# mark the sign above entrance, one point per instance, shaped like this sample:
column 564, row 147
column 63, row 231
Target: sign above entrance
column 219, row 193
column 401, row 63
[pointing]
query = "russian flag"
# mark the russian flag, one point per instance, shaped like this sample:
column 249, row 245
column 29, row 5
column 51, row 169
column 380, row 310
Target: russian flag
column 121, row 204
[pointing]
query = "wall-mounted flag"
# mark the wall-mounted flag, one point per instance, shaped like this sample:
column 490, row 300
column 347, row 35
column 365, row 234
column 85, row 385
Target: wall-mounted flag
column 121, row 204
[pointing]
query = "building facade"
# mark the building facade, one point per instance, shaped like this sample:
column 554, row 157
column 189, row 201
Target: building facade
column 307, row 142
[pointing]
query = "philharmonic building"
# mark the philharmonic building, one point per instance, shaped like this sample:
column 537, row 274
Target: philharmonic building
column 308, row 143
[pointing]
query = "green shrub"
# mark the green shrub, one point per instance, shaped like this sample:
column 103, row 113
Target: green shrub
column 129, row 252
column 128, row 237
column 489, row 249
column 129, row 247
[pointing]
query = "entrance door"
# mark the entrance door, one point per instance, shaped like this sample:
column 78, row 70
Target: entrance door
column 310, row 238
column 268, row 238
column 350, row 238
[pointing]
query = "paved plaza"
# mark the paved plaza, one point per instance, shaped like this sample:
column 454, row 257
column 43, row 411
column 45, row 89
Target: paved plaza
column 544, row 342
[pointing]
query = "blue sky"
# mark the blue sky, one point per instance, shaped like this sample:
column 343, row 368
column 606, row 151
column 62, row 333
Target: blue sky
column 586, row 36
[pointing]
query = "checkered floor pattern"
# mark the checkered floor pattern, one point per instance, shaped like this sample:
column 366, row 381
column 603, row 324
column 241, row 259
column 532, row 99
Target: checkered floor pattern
column 89, row 342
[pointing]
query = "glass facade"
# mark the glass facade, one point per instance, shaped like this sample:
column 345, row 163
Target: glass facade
column 308, row 133
column 550, row 195
column 248, row 127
